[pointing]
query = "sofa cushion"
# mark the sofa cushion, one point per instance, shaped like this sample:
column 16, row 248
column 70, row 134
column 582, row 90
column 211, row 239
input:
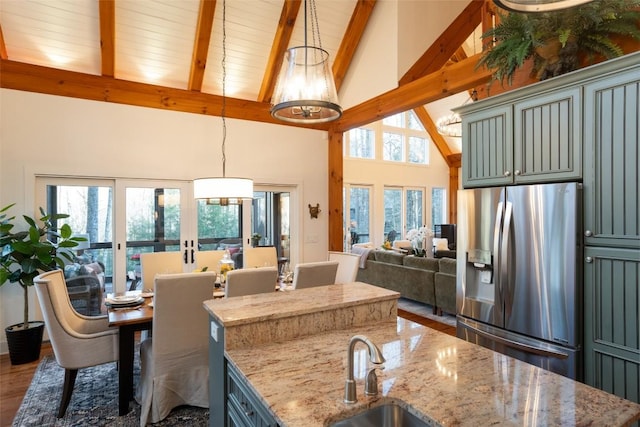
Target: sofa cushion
column 421, row 262
column 390, row 257
column 447, row 265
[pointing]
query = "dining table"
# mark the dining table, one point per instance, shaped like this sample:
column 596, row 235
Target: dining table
column 129, row 320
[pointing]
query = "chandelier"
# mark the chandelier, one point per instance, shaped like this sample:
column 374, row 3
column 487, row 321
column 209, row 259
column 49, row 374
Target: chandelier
column 305, row 90
column 223, row 190
column 537, row 5
column 451, row 125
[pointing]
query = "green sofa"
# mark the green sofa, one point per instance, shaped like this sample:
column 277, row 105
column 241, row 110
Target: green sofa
column 412, row 276
column 415, row 278
column 445, row 285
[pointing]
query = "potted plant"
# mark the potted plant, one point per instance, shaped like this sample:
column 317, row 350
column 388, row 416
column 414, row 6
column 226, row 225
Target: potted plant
column 557, row 40
column 24, row 254
column 255, row 239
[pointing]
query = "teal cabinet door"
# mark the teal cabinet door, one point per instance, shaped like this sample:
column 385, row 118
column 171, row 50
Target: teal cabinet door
column 612, row 325
column 487, row 141
column 547, row 135
column 612, row 161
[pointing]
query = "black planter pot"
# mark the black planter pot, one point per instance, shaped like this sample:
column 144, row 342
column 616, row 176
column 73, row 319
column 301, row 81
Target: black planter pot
column 24, row 344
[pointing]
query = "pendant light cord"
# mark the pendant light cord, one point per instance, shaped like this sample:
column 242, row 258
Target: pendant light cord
column 224, row 87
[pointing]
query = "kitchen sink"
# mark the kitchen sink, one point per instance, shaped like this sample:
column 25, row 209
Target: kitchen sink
column 388, row 415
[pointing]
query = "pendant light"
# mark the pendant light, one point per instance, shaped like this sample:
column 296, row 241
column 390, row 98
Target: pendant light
column 451, row 125
column 537, row 5
column 223, row 190
column 305, row 90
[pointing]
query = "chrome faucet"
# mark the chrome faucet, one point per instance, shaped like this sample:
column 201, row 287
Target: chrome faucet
column 375, row 355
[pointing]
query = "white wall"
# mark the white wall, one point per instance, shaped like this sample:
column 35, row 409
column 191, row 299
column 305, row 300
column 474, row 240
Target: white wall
column 43, row 134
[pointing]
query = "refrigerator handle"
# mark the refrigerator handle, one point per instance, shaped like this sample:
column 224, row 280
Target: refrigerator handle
column 519, row 345
column 505, row 280
column 496, row 248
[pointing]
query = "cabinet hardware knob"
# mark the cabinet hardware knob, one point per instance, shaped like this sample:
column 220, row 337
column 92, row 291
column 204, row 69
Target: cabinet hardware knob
column 517, row 172
column 589, row 260
column 246, row 409
column 507, row 173
column 588, row 233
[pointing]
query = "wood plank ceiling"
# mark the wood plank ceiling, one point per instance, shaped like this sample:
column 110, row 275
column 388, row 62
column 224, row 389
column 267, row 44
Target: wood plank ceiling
column 166, row 54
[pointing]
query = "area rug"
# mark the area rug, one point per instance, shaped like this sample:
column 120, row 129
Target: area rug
column 94, row 401
column 425, row 310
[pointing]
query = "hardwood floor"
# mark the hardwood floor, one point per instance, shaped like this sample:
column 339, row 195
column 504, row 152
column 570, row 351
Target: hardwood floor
column 14, row 382
column 15, row 379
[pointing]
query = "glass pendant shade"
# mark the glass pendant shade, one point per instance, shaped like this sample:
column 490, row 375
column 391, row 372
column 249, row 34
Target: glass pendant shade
column 537, row 5
column 305, row 90
column 223, row 190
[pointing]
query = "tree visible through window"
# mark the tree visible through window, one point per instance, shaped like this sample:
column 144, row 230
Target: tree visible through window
column 362, row 143
column 438, row 206
column 392, row 213
column 392, row 144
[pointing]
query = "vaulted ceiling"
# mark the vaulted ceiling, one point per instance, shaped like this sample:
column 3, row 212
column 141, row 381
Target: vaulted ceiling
column 167, row 54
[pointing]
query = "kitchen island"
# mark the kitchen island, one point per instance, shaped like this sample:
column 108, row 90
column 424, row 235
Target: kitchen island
column 441, row 379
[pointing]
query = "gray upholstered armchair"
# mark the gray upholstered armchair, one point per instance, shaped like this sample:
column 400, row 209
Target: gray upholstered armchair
column 85, row 285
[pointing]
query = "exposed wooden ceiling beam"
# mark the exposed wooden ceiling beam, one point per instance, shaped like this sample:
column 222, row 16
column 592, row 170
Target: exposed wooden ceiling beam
column 201, row 44
column 353, row 34
column 447, row 43
column 107, row 10
column 34, row 78
column 450, row 80
column 287, row 21
column 438, row 140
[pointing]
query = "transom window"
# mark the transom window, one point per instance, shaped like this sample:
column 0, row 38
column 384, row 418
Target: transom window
column 397, row 138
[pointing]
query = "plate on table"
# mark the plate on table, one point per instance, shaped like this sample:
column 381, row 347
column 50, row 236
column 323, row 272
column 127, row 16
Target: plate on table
column 124, row 301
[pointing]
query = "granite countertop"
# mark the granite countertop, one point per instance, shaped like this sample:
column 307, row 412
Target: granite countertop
column 270, row 306
column 442, row 379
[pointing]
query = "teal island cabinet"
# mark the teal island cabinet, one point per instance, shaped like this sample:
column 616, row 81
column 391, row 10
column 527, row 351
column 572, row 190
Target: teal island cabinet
column 281, row 360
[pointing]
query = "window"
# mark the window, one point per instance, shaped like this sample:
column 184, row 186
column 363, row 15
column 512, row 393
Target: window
column 418, row 150
column 392, row 146
column 217, row 223
column 362, row 143
column 392, row 214
column 414, row 207
column 397, row 120
column 270, row 219
column 359, row 214
column 438, row 206
column 399, row 138
column 414, row 123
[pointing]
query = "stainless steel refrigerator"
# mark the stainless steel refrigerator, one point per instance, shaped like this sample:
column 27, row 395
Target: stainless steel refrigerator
column 519, row 280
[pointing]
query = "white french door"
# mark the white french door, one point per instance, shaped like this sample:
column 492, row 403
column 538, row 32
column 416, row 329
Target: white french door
column 122, row 218
column 153, row 216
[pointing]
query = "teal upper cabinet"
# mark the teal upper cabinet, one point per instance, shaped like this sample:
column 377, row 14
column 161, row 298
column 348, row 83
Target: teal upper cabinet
column 487, row 147
column 547, row 135
column 612, row 160
column 535, row 139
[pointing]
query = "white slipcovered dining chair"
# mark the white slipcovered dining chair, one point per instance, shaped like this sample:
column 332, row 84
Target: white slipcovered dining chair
column 263, row 256
column 347, row 266
column 158, row 263
column 175, row 361
column 249, row 281
column 209, row 260
column 310, row 274
column 78, row 341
